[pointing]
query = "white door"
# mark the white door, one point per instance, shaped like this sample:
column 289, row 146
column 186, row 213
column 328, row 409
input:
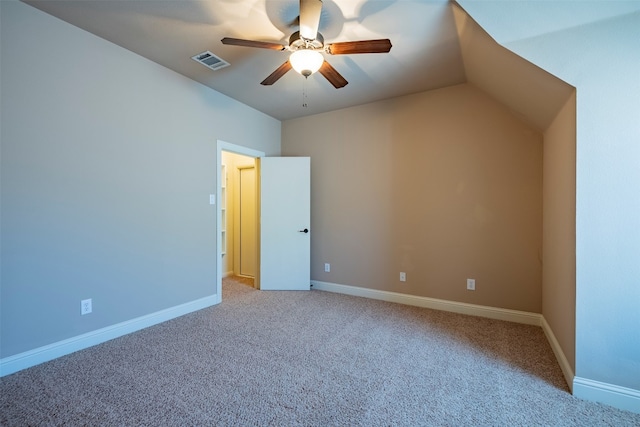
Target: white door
column 285, row 215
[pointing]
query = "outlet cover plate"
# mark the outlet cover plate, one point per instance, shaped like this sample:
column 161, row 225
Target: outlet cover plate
column 85, row 306
column 471, row 284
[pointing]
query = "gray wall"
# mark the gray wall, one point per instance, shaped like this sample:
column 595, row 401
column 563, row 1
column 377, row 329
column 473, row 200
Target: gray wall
column 108, row 161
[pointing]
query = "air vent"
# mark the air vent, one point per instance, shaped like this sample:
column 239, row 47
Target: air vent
column 209, row 60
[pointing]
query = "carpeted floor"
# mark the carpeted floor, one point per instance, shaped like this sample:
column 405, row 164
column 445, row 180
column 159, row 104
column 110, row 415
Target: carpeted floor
column 309, row 359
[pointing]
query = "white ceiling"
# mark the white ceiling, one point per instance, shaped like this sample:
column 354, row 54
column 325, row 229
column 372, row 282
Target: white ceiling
column 425, row 54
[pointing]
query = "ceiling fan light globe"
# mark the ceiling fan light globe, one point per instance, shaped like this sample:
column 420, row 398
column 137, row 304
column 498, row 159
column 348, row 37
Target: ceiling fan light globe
column 306, row 62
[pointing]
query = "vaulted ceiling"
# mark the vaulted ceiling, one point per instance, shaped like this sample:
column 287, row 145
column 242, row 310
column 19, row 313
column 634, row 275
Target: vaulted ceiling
column 435, row 44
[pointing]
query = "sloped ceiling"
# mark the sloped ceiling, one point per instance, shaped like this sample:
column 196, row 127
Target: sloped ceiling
column 425, row 54
column 485, row 26
column 435, row 44
column 510, row 21
column 534, row 94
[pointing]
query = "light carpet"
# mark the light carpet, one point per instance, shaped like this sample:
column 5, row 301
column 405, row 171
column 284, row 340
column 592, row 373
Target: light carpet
column 307, row 359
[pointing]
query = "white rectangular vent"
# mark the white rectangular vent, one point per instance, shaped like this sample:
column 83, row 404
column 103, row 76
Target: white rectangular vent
column 210, row 60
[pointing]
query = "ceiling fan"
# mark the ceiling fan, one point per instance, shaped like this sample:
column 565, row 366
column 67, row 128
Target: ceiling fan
column 306, row 45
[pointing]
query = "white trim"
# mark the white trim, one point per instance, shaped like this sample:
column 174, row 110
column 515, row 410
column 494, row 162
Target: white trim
column 30, row 358
column 238, row 149
column 557, row 350
column 524, row 317
column 609, row 394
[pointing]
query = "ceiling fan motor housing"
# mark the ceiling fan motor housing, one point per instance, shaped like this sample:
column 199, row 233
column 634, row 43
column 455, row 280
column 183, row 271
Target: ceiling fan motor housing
column 297, row 42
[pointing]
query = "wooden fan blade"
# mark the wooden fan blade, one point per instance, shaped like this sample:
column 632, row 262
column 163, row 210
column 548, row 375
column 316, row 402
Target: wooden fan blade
column 279, row 72
column 363, row 46
column 310, row 11
column 252, row 43
column 331, row 74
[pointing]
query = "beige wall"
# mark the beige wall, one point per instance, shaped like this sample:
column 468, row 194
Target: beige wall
column 559, row 228
column 443, row 185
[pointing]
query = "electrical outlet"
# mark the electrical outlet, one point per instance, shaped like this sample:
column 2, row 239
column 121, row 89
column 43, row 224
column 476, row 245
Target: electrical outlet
column 85, row 306
column 327, row 267
column 471, row 284
column 403, row 276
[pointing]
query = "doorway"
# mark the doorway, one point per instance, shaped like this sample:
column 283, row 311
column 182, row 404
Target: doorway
column 239, row 215
column 231, row 159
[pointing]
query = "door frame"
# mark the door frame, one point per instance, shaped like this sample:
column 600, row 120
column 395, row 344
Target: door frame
column 249, row 152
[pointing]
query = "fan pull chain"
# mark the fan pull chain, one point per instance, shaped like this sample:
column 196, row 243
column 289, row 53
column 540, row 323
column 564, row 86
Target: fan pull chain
column 304, row 93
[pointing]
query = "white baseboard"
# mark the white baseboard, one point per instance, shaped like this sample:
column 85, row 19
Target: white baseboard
column 433, row 303
column 557, row 350
column 609, row 394
column 30, row 358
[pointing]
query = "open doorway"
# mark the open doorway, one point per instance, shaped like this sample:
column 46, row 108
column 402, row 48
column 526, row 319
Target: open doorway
column 239, row 216
column 238, row 250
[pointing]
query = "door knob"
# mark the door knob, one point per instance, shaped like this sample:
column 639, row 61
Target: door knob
column 306, row 230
